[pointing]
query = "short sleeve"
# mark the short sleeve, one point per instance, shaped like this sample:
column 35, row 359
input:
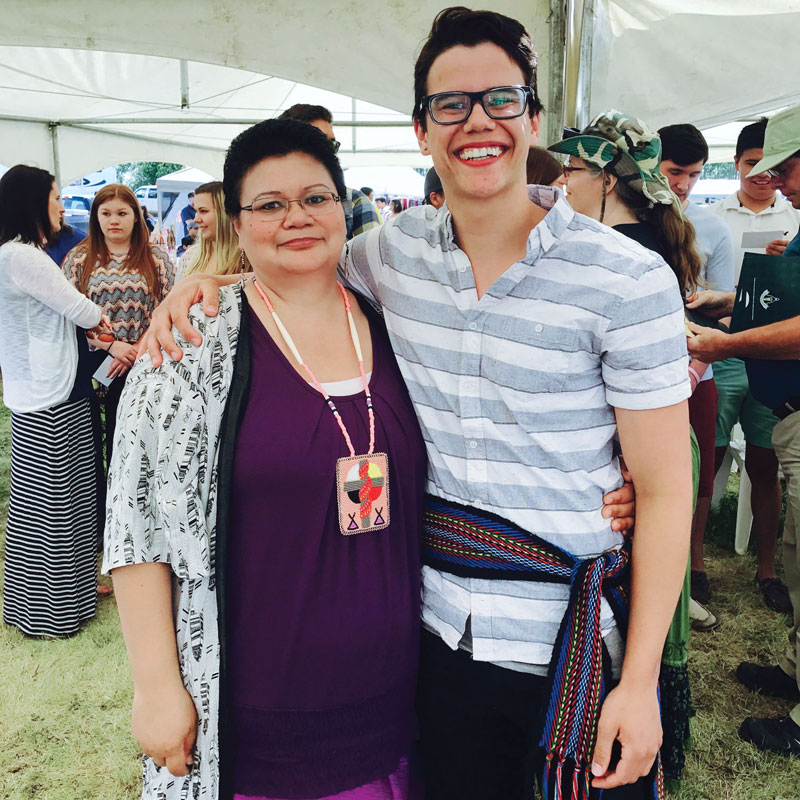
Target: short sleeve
column 361, row 263
column 643, row 351
column 719, row 269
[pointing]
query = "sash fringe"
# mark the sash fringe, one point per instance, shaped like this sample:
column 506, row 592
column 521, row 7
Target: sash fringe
column 472, row 543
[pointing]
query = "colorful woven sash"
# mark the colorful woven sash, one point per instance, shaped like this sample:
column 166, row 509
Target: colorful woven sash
column 476, row 544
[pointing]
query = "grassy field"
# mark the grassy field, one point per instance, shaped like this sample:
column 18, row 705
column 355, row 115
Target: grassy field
column 64, row 705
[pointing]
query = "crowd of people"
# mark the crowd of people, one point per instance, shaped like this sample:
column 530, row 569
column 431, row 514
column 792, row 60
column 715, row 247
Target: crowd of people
column 367, row 496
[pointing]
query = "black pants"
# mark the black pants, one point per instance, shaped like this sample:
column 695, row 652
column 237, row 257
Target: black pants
column 477, row 729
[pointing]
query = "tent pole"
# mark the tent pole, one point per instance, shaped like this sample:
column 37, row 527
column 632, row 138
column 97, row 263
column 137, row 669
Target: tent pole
column 53, row 126
column 583, row 111
column 555, row 97
column 184, row 85
column 353, row 129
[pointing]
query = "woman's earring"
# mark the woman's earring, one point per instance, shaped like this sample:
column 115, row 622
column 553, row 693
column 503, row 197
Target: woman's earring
column 241, row 258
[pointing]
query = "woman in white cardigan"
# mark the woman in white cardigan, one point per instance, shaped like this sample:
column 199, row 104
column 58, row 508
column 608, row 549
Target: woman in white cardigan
column 51, row 536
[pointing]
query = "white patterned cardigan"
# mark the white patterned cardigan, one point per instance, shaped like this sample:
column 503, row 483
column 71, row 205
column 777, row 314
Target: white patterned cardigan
column 162, row 507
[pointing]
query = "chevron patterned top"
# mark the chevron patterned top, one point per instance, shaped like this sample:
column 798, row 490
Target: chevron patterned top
column 121, row 292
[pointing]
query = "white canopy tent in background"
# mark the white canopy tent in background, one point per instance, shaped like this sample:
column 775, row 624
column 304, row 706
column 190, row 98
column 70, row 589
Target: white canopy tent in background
column 84, row 86
column 391, row 181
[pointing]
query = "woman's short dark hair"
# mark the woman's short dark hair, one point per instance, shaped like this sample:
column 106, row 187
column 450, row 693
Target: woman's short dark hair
column 461, row 26
column 271, row 138
column 24, row 212
column 683, row 144
column 397, row 206
column 751, row 136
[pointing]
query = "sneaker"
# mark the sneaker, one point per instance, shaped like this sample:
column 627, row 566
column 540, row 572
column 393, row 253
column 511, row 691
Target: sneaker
column 700, row 618
column 780, row 735
column 771, row 681
column 699, row 587
column 775, row 594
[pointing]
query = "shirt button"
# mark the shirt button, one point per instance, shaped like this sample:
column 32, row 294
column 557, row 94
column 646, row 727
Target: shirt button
column 462, row 268
column 539, row 328
column 473, row 444
column 473, row 326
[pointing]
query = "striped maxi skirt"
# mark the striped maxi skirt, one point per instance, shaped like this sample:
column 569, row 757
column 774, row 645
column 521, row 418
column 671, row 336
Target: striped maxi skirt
column 52, row 533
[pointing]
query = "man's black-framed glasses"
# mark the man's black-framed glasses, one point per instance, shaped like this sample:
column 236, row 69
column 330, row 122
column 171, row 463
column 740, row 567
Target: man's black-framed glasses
column 335, row 145
column 272, row 209
column 501, row 102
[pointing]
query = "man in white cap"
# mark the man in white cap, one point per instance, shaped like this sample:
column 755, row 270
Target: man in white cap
column 777, row 385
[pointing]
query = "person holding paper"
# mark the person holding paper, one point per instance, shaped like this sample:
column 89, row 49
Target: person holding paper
column 777, row 385
column 53, row 521
column 118, row 268
column 759, row 219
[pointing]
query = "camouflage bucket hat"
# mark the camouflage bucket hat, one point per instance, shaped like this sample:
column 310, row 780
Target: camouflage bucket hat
column 626, row 148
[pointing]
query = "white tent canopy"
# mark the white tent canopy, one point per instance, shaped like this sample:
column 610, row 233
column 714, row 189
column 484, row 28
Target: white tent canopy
column 89, row 86
column 389, row 181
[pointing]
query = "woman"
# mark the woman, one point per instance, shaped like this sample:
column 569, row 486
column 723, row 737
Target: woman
column 218, row 250
column 397, row 208
column 128, row 277
column 613, row 176
column 272, row 513
column 51, row 538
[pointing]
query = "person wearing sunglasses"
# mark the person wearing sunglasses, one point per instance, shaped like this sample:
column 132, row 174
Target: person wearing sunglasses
column 359, row 212
column 530, row 337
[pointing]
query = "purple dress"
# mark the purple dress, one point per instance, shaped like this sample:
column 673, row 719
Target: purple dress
column 322, row 628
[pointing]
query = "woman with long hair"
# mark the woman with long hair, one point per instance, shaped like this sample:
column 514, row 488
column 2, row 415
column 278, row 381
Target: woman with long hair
column 53, row 519
column 613, row 177
column 217, row 251
column 118, row 268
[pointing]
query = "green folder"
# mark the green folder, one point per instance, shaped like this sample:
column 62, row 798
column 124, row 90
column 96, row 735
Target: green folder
column 768, row 291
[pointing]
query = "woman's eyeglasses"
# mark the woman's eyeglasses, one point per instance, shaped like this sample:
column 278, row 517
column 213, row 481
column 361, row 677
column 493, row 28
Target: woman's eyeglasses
column 568, row 170
column 273, row 209
column 502, row 102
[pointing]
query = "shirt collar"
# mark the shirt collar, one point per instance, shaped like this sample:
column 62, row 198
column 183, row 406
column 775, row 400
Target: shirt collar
column 733, row 202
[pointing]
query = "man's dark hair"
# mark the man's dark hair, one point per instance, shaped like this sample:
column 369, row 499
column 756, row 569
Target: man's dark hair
column 270, row 138
column 190, row 195
column 683, row 144
column 382, row 199
column 24, row 212
column 461, row 26
column 367, row 190
column 304, row 112
column 751, row 136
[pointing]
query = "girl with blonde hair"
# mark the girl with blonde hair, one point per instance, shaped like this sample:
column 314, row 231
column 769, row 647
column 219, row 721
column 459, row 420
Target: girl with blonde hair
column 217, row 250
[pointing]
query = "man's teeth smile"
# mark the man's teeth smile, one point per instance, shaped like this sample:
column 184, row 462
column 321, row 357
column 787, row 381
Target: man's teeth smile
column 477, row 153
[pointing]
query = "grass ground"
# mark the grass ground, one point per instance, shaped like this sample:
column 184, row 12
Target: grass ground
column 64, row 705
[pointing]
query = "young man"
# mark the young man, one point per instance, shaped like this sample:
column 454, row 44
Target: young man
column 359, row 212
column 756, row 206
column 383, row 207
column 685, row 153
column 777, row 385
column 528, row 337
column 187, row 213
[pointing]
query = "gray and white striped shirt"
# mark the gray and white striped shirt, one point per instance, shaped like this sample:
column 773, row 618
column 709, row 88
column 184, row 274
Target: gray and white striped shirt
column 515, row 392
